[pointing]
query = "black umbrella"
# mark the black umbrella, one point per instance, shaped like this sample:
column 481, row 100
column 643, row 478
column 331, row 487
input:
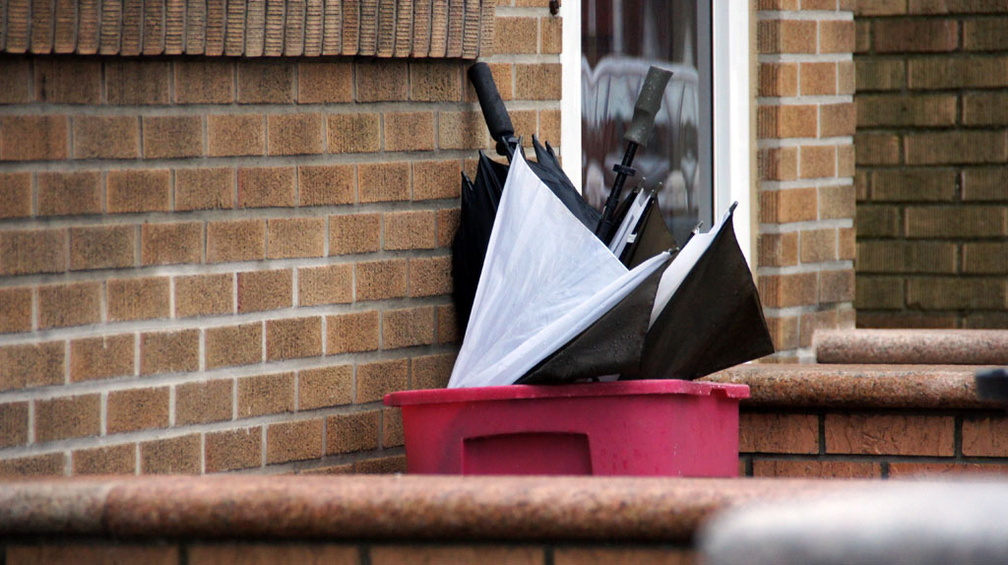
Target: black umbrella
column 713, row 318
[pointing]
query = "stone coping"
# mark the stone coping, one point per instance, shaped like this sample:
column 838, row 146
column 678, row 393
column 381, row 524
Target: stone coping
column 961, row 347
column 857, row 386
column 388, row 507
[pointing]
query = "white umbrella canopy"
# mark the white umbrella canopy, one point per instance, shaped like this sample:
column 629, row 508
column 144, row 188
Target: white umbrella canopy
column 546, row 279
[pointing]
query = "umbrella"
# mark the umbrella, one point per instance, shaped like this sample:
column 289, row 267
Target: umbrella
column 707, row 315
column 547, row 282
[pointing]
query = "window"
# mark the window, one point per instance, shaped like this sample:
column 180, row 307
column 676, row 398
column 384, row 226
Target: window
column 699, row 153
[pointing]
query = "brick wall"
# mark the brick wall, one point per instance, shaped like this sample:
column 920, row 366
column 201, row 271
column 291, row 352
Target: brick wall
column 871, row 443
column 932, row 150
column 212, row 264
column 805, row 152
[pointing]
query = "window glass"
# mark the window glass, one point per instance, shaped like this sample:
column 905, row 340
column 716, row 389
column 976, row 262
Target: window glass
column 620, row 39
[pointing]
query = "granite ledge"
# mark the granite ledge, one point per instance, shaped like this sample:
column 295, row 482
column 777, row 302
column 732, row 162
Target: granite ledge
column 390, row 507
column 933, row 387
column 914, row 346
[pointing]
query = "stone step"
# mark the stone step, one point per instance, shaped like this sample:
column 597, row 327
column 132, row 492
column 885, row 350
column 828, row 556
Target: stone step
column 960, row 347
column 834, row 386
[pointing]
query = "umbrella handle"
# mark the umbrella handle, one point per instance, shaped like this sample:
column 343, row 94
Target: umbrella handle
column 648, row 103
column 496, row 115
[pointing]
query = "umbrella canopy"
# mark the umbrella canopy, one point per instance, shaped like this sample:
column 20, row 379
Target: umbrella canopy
column 479, row 208
column 545, row 280
column 707, row 314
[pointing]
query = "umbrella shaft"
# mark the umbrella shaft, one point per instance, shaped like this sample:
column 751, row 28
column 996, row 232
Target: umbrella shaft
column 605, row 226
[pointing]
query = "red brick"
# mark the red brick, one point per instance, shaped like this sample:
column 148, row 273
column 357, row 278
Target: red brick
column 294, row 441
column 15, row 195
column 295, row 237
column 167, row 137
column 326, row 82
column 378, row 280
column 356, row 431
column 778, row 433
column 599, row 555
column 433, row 80
column 382, row 80
column 780, row 121
column 984, row 437
column 409, row 131
column 325, row 387
column 204, row 82
column 899, row 35
column 986, row 34
column 881, row 434
column 352, row 332
column 204, row 189
column 818, row 246
column 137, row 409
column 327, row 185
column 174, row 456
column 510, row 555
column 110, row 460
column 411, row 230
column 230, row 450
column 265, row 290
column 393, row 465
column 516, row 35
column 790, row 205
column 67, row 417
column 376, row 379
column 236, row 134
column 462, row 130
column 430, row 276
column 265, row 394
column 537, row 81
column 293, row 338
column 906, row 110
column 102, row 357
column 70, row 193
column 234, row 345
column 31, row 365
column 295, row 134
column 331, row 284
column 436, row 179
column 354, row 233
column 955, row 221
column 778, row 163
column 236, row 240
column 431, row 371
column 72, row 304
column 17, row 89
column 282, row 552
column 381, row 182
column 817, row 469
column 447, row 221
column 392, row 428
column 139, row 191
column 354, row 133
column 15, row 310
column 106, row 137
column 13, row 424
column 817, row 79
column 202, row 402
column 167, row 352
column 102, row 247
column 34, row 466
column 34, row 138
column 166, row 244
column 786, row 36
column 778, row 250
column 139, row 299
column 204, row 295
column 132, row 82
column 33, row 251
column 264, row 187
column 408, row 327
column 269, row 82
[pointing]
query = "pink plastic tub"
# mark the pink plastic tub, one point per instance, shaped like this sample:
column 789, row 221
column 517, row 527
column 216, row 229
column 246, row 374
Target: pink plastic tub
column 643, row 428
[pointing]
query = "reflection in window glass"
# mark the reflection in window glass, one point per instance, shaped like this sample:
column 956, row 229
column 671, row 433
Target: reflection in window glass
column 620, row 39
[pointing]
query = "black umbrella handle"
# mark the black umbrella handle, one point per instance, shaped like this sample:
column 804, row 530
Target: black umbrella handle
column 648, row 103
column 496, row 115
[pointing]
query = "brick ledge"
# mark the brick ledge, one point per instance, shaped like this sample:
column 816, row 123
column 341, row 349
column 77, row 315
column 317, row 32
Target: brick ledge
column 596, row 509
column 919, row 346
column 857, row 386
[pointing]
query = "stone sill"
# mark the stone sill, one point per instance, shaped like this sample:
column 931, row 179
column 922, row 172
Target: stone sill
column 392, row 507
column 963, row 347
column 857, row 386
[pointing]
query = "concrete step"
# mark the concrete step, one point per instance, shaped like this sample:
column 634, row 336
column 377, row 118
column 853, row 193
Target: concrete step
column 960, row 347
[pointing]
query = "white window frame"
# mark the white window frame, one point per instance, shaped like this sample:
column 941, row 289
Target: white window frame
column 731, row 106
